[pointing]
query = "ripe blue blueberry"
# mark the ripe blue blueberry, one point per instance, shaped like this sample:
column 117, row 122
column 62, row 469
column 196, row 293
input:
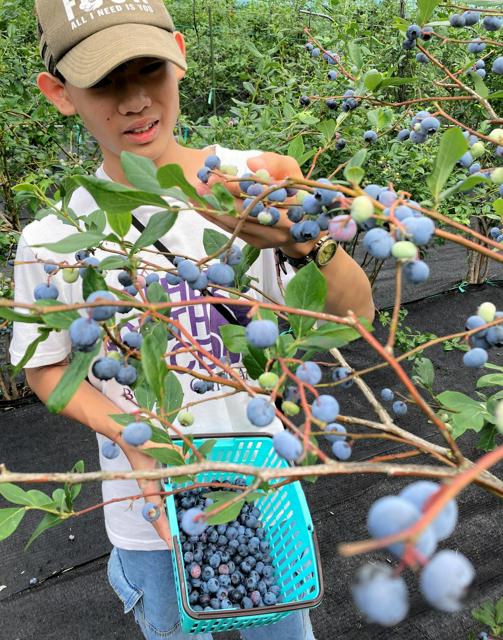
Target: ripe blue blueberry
column 370, row 136
column 471, row 17
column 416, row 271
column 325, row 408
column 45, row 292
column 193, row 527
column 221, row 274
column 232, row 256
column 341, row 450
column 204, row 174
column 90, row 261
column 105, row 368
column 151, row 512
column 305, row 230
column 378, row 242
column 335, row 428
column 262, row 333
column 277, row 196
column 105, row 312
column 133, row 339
column 260, row 412
column 492, row 23
column 50, row 268
column 309, row 372
column 445, row 579
column 110, row 450
column 413, row 31
column 387, row 395
column 381, row 595
column 332, row 75
column 475, row 358
column 172, row 279
column 212, row 162
column 399, row 408
column 84, row 333
column 126, row 374
column 288, row 447
column 419, row 493
column 498, row 65
column 422, row 58
column 402, row 135
column 137, row 433
column 188, row 270
column 340, row 373
column 457, row 20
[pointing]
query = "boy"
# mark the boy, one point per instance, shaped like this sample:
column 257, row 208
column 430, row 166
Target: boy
column 117, row 65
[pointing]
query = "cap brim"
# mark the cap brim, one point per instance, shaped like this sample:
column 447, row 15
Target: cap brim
column 91, row 60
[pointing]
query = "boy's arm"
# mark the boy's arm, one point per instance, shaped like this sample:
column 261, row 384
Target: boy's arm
column 93, row 409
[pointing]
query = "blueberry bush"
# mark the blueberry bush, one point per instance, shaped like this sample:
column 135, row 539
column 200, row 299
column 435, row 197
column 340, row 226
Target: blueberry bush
column 383, row 169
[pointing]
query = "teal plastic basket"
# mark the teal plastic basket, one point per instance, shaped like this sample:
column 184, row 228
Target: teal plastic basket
column 289, row 530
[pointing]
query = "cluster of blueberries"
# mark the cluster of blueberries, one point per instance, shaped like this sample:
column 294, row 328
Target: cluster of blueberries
column 399, row 406
column 422, row 125
column 485, row 339
column 228, row 565
column 379, row 591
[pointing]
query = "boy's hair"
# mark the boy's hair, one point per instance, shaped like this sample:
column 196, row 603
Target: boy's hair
column 82, row 41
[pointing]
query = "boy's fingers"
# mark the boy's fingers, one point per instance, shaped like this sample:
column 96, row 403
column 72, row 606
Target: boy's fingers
column 277, row 165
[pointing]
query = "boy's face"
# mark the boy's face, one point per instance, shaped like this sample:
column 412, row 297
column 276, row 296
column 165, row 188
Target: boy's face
column 134, row 108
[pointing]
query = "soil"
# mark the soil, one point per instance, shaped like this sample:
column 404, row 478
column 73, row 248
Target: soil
column 74, row 571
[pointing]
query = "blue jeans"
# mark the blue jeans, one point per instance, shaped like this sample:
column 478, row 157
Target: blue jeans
column 144, row 582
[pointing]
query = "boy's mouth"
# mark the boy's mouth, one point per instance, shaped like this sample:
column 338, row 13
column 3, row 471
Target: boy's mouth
column 144, row 132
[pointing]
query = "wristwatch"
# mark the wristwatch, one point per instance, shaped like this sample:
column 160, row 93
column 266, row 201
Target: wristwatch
column 321, row 254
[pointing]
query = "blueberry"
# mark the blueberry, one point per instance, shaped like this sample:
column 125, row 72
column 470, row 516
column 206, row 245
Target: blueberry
column 340, row 373
column 45, row 292
column 260, row 412
column 133, row 339
column 309, row 372
column 105, row 368
column 325, row 408
column 110, row 450
column 137, row 433
column 341, row 450
column 399, row 408
column 126, row 374
column 192, row 526
column 84, row 333
column 151, row 512
column 334, row 427
column 221, row 274
column 188, row 271
column 262, row 333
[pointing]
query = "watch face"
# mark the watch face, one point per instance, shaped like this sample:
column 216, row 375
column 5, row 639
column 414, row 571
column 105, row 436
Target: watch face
column 326, row 253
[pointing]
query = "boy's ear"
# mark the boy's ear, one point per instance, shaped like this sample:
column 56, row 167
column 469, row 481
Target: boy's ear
column 180, row 41
column 55, row 91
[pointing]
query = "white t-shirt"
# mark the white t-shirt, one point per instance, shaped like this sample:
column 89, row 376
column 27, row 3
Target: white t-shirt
column 126, row 528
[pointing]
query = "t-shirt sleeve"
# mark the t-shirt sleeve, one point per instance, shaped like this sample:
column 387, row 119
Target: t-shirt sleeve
column 26, row 278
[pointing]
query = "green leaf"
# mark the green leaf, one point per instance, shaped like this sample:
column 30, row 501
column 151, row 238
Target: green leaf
column 59, row 319
column 372, row 79
column 92, row 281
column 499, row 611
column 72, row 378
column 159, row 435
column 171, row 175
column 171, row 457
column 75, row 489
column 485, row 614
column 296, row 148
column 464, row 185
column 424, row 372
column 74, row 242
column 396, row 82
column 487, row 439
column 358, row 159
column 48, row 521
column 205, row 449
column 96, row 221
column 173, row 395
column 121, row 418
column 38, row 498
column 59, row 497
column 9, row 521
column 13, row 493
column 154, row 366
column 120, row 222
column 157, row 293
column 117, row 198
column 249, row 256
column 141, row 172
column 306, row 290
column 226, row 515
column 213, row 241
column 14, row 316
column 254, row 362
column 144, row 393
column 480, row 85
column 157, row 226
column 355, row 54
column 234, row 338
column 466, row 413
column 497, row 95
column 114, row 262
column 490, row 380
column 331, row 336
column 224, row 198
column 44, row 334
column 354, row 174
column 327, row 130
column 425, row 10
column 498, row 206
column 452, row 146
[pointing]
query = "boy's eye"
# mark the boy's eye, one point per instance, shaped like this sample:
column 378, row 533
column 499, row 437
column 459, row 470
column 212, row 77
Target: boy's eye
column 152, row 68
column 102, row 83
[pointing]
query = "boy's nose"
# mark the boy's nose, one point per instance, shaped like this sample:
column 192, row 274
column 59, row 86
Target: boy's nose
column 134, row 99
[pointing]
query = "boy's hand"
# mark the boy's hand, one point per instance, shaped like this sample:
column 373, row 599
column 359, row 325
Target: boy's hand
column 252, row 232
column 141, row 462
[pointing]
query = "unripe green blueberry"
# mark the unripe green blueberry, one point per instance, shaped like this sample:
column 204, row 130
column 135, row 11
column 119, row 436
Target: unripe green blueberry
column 362, row 209
column 229, row 169
column 404, row 250
column 487, row 311
column 477, row 149
column 114, row 355
column 498, row 414
column 417, row 126
column 268, row 380
column 264, row 217
column 70, row 275
column 497, row 136
column 185, row 418
column 497, row 175
column 263, row 174
column 289, row 408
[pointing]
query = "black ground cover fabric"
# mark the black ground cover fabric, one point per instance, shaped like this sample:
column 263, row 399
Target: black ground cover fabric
column 73, row 601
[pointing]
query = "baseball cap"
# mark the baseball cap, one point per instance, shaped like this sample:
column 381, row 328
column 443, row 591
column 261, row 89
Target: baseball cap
column 84, row 40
